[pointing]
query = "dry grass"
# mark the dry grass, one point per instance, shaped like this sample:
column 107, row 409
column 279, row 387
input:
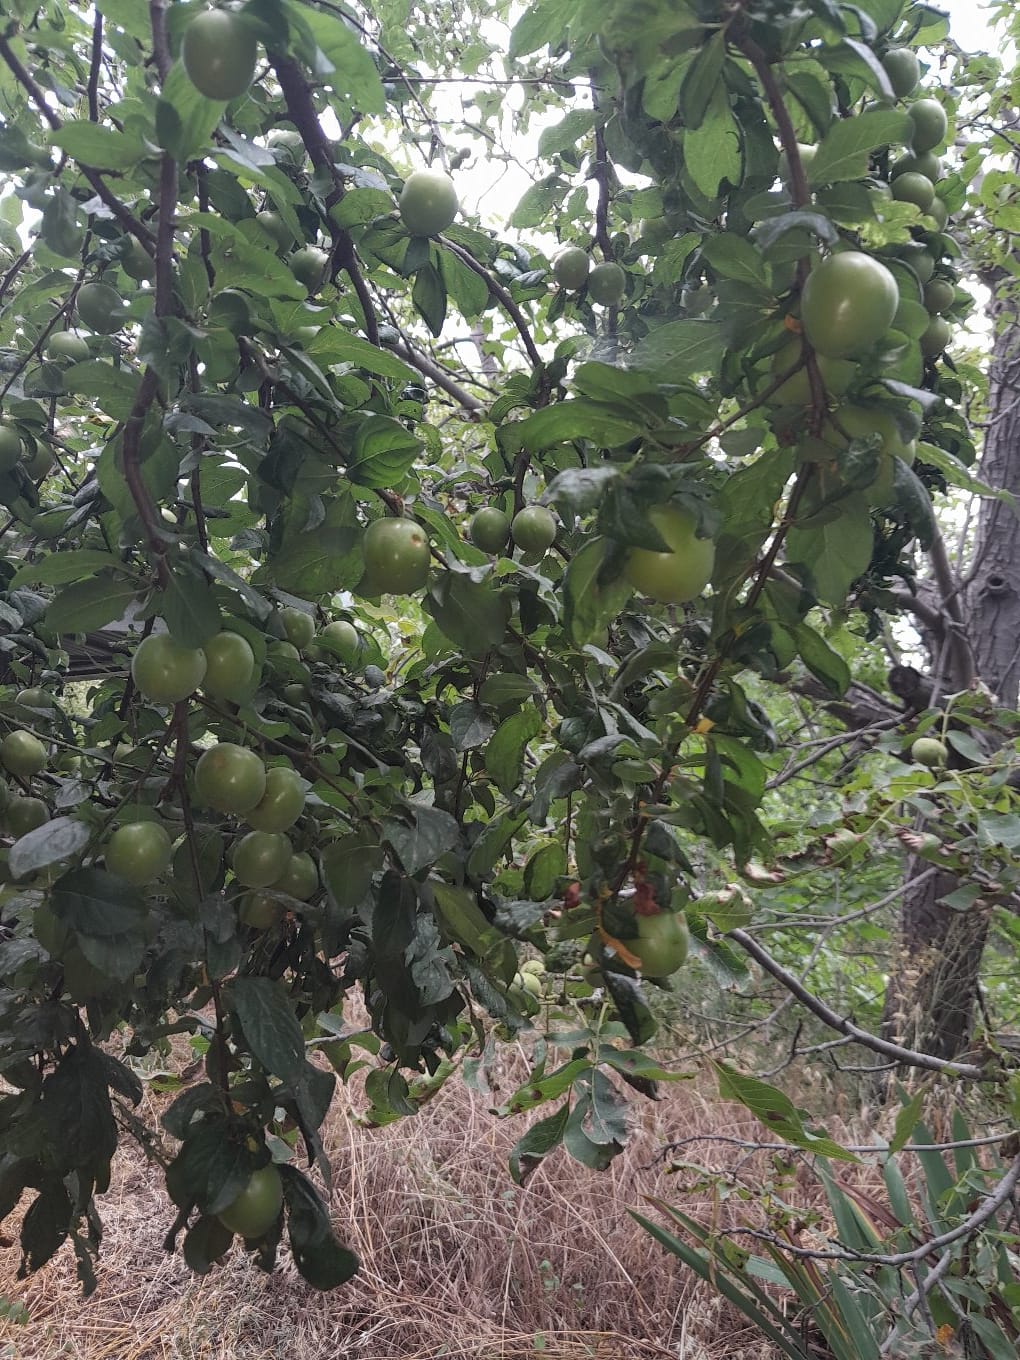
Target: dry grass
column 457, row 1261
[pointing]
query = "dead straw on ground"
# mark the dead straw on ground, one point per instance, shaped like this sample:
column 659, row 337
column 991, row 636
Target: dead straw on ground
column 458, row 1263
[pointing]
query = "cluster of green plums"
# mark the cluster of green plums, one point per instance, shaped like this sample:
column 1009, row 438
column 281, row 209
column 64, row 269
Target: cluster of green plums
column 672, row 576
column 23, row 756
column 36, row 461
column 606, row 283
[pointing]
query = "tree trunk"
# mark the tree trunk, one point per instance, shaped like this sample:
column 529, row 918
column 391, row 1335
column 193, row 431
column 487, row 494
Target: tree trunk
column 932, row 993
column 993, row 597
column 930, row 999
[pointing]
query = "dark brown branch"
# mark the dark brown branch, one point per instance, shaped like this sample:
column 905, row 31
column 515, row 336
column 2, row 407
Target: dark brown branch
column 440, row 377
column 302, row 113
column 95, row 66
column 502, row 297
column 962, row 658
column 907, row 1056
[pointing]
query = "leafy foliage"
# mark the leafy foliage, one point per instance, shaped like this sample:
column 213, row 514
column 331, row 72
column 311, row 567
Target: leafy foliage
column 517, row 755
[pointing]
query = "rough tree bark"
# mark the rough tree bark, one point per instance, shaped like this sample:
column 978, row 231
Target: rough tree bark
column 932, row 994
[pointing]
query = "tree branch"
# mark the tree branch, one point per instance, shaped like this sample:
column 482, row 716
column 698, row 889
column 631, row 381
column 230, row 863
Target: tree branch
column 503, row 297
column 907, row 1056
column 298, row 98
column 95, row 66
column 122, row 214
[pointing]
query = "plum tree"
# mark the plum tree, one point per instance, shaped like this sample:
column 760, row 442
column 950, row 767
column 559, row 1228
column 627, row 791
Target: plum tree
column 259, row 378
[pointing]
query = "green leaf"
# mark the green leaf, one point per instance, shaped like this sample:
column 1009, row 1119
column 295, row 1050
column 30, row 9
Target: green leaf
column 60, row 568
column 843, row 151
column 429, row 297
column 270, row 1026
column 114, row 389
column 542, row 24
column 189, row 608
column 747, row 503
column 90, row 604
column 185, row 119
column 579, row 1143
column 567, row 134
column 308, row 564
column 384, row 452
column 470, row 613
column 45, row 1226
column 541, row 1139
column 421, row 836
column 913, row 499
column 540, row 203
column 497, row 690
column 466, row 923
column 703, row 76
column 470, row 725
column 318, row 1254
column 349, row 68
column 76, row 1110
column 493, row 842
column 735, row 257
column 907, row 1121
column 823, row 663
column 591, row 602
column 347, row 868
column 334, row 345
column 504, row 755
column 834, row 555
column 100, row 147
column 680, row 349
column 62, row 838
column 776, row 1111
column 713, row 151
column 468, row 290
column 573, row 419
column 543, row 871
